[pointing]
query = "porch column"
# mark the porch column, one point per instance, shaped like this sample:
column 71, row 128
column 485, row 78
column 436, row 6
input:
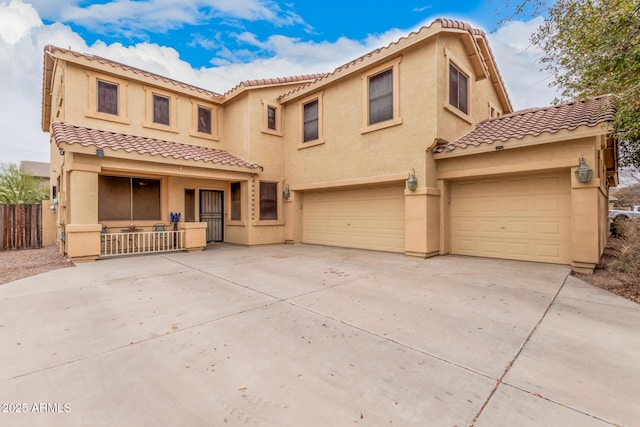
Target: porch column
column 82, row 232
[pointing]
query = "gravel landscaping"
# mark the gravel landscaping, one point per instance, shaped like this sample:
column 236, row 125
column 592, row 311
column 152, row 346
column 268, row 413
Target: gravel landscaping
column 16, row 265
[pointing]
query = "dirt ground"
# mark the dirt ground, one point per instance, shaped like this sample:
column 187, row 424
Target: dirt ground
column 603, row 278
column 16, row 265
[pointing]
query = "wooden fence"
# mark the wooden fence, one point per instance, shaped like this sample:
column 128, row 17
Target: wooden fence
column 20, row 226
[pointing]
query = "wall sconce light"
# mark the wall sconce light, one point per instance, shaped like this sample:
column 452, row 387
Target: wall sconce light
column 100, row 152
column 287, row 192
column 412, row 182
column 583, row 172
column 61, row 151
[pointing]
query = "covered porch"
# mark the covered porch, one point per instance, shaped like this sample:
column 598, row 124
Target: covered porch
column 119, row 195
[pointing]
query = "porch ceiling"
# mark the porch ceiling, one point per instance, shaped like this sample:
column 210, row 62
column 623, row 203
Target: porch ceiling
column 86, row 137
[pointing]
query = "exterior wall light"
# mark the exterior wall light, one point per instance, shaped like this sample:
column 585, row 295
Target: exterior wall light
column 100, row 152
column 584, row 173
column 287, row 192
column 61, row 151
column 412, row 182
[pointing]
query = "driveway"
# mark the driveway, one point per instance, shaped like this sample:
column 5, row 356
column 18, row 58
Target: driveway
column 293, row 335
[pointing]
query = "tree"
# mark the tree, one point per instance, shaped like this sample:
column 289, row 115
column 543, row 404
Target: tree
column 17, row 187
column 592, row 47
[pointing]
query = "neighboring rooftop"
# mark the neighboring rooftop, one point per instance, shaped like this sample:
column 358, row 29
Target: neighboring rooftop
column 36, row 169
column 533, row 122
column 69, row 134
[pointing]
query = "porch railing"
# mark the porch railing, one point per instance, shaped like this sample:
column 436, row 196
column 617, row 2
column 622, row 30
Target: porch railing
column 141, row 242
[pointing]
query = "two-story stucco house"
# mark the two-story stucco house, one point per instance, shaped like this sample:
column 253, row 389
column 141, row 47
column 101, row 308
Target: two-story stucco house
column 412, row 148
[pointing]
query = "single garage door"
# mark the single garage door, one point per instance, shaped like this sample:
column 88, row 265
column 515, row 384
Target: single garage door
column 365, row 218
column 524, row 218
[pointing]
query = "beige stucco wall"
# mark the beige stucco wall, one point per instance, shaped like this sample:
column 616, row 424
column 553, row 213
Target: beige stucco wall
column 588, row 201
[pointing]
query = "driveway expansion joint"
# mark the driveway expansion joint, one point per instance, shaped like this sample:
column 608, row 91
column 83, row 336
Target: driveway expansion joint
column 500, row 380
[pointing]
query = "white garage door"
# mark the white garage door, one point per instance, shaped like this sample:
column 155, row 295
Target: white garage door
column 524, row 218
column 365, row 218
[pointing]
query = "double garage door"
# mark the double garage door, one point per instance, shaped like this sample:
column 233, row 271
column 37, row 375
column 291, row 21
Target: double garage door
column 364, row 218
column 523, row 218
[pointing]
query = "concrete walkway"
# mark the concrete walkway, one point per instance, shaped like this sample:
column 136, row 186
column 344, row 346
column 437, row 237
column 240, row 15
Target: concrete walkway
column 298, row 335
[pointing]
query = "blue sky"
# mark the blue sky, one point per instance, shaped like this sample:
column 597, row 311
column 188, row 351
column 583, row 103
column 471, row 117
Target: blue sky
column 216, row 44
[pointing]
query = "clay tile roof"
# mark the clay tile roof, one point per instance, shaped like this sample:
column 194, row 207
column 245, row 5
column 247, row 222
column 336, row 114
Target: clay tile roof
column 86, row 137
column 134, row 70
column 276, row 81
column 444, row 23
column 536, row 121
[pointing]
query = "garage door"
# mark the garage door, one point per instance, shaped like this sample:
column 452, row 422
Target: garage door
column 365, row 218
column 524, row 218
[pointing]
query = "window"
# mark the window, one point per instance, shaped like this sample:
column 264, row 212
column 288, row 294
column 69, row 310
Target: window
column 268, row 200
column 458, row 89
column 271, row 117
column 161, row 111
column 204, row 119
column 107, row 101
column 310, row 121
column 204, row 122
column 107, row 98
column 236, row 201
column 128, row 199
column 381, row 97
column 189, row 205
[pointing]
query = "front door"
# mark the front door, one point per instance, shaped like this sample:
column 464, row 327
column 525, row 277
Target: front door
column 211, row 212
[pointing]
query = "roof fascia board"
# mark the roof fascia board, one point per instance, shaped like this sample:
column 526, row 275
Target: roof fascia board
column 111, row 67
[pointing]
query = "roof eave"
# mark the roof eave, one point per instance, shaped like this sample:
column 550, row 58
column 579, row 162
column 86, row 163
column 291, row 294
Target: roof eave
column 47, row 83
column 525, row 141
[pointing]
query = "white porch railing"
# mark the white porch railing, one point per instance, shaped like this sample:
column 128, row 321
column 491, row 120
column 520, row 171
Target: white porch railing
column 142, row 242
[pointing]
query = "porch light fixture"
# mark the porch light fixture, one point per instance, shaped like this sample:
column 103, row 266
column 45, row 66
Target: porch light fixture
column 412, row 181
column 287, row 192
column 61, row 151
column 584, row 173
column 100, row 152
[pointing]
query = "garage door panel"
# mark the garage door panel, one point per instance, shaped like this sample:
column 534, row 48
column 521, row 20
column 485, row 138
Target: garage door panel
column 367, row 218
column 529, row 218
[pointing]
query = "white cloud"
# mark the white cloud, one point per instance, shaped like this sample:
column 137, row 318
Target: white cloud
column 21, row 55
column 139, row 17
column 518, row 63
column 16, row 19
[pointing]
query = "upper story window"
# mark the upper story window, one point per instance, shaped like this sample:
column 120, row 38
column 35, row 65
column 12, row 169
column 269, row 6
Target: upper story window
column 458, row 89
column 204, row 122
column 161, row 112
column 271, row 117
column 381, row 96
column 161, row 109
column 310, row 121
column 107, row 98
column 204, row 119
column 107, row 101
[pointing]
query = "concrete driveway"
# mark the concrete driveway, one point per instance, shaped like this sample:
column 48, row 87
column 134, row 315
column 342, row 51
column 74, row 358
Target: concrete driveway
column 294, row 335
